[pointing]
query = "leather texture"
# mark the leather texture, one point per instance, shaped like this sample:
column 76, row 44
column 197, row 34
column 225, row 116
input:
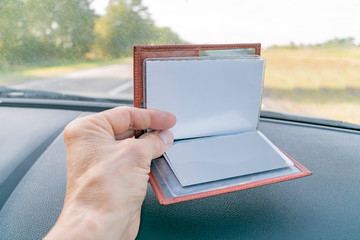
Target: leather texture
column 36, row 202
column 33, row 207
column 166, row 201
column 162, row 51
column 140, row 53
column 143, row 52
column 18, row 152
column 323, row 206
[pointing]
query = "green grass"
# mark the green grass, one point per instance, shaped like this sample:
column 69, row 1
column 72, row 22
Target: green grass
column 19, row 74
column 312, row 68
column 321, row 82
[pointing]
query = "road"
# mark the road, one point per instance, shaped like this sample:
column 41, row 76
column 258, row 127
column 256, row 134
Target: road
column 112, row 81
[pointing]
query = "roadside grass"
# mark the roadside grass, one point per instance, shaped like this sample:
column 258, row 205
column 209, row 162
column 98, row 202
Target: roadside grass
column 19, row 74
column 319, row 82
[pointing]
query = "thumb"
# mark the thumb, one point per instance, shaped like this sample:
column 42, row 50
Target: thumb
column 157, row 142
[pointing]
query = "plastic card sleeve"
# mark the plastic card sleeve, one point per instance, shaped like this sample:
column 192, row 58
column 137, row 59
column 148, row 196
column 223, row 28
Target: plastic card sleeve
column 175, row 183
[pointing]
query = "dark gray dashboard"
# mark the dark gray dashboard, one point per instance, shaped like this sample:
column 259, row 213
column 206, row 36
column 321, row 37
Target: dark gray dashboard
column 25, row 134
column 322, row 206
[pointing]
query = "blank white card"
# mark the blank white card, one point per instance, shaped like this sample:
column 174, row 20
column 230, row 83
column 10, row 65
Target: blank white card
column 217, row 103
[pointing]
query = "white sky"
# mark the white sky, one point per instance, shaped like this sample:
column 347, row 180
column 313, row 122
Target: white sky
column 269, row 22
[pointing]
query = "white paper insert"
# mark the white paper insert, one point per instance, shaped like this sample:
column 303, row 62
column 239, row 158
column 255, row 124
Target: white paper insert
column 212, row 97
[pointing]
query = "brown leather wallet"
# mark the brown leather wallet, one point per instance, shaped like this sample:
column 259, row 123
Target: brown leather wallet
column 163, row 51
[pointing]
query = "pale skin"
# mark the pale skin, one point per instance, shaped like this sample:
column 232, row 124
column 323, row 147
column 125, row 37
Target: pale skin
column 108, row 172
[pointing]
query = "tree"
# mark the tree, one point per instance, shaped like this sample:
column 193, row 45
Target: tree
column 12, row 30
column 167, row 36
column 340, row 42
column 33, row 30
column 66, row 26
column 125, row 24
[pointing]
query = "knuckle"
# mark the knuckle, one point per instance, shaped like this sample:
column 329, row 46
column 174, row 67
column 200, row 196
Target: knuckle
column 140, row 152
column 157, row 144
column 143, row 163
column 73, row 129
column 137, row 153
column 136, row 149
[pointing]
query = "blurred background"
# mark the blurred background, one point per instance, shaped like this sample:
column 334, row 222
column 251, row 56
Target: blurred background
column 84, row 47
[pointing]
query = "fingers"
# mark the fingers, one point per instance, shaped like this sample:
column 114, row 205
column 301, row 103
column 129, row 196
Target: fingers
column 122, row 119
column 156, row 143
column 127, row 134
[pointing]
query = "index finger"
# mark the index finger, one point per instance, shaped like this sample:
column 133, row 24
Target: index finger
column 123, row 118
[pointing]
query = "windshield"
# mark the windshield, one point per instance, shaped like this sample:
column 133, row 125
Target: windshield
column 82, row 48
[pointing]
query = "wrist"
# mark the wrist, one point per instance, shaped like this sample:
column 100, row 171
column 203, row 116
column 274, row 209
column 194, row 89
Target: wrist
column 77, row 222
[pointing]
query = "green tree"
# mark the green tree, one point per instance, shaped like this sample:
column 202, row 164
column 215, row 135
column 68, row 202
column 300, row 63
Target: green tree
column 167, row 36
column 125, row 24
column 33, row 30
column 12, row 30
column 65, row 26
column 340, row 42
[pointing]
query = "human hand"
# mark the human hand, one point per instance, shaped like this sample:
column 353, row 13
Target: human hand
column 108, row 172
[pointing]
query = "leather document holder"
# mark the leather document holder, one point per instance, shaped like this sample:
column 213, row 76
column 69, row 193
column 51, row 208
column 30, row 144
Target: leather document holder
column 183, row 174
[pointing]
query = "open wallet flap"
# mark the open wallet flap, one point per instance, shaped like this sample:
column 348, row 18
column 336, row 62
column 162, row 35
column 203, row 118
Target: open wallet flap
column 210, row 155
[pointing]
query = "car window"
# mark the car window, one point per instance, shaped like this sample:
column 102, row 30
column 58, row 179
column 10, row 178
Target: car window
column 84, row 47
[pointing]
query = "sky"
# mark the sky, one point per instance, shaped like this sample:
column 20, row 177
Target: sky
column 276, row 22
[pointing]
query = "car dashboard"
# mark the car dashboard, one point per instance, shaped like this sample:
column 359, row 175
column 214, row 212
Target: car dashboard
column 322, row 206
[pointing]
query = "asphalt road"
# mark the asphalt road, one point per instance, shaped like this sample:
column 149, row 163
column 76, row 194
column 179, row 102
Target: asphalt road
column 112, row 81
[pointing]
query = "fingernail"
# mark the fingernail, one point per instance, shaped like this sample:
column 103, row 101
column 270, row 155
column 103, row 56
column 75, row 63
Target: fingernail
column 166, row 136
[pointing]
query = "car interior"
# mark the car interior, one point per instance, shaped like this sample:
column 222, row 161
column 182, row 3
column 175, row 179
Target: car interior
column 322, row 206
column 325, row 205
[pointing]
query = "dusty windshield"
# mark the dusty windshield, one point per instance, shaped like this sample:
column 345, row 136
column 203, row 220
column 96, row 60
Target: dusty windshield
column 84, row 47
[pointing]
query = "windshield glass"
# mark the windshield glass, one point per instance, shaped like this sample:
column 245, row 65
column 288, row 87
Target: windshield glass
column 83, row 48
